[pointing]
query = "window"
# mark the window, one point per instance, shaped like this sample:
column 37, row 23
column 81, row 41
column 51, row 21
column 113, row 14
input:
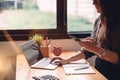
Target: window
column 54, row 18
column 80, row 15
column 28, row 14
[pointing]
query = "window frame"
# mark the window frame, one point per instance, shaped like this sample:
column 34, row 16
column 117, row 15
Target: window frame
column 59, row 33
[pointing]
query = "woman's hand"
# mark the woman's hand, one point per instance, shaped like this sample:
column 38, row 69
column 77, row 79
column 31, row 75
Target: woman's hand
column 59, row 61
column 88, row 44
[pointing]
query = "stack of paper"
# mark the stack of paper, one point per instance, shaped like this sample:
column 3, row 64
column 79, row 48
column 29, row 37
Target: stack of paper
column 78, row 67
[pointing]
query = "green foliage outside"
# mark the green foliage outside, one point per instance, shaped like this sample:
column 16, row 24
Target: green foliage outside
column 79, row 24
column 29, row 5
column 34, row 19
column 31, row 18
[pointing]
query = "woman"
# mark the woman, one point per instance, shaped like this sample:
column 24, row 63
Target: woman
column 104, row 41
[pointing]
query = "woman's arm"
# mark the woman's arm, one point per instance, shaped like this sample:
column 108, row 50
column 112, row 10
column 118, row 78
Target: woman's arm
column 90, row 46
column 77, row 56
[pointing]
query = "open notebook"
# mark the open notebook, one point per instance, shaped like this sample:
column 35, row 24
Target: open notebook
column 34, row 57
column 78, row 67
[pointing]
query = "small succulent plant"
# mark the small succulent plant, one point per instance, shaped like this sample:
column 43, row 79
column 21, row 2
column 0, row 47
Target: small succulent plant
column 38, row 38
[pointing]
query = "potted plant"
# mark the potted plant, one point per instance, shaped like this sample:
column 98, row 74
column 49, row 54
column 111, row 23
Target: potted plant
column 38, row 38
column 43, row 48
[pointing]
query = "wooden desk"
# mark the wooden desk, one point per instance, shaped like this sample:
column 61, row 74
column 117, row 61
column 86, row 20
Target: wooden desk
column 7, row 61
column 24, row 72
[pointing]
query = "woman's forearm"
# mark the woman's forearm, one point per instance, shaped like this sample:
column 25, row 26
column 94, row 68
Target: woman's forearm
column 79, row 55
column 109, row 55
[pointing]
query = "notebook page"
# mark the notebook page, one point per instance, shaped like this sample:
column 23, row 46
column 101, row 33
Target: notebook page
column 78, row 67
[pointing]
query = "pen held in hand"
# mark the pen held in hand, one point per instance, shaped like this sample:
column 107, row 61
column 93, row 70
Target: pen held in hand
column 81, row 68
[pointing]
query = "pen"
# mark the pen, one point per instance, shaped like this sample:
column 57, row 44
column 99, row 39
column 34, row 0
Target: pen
column 48, row 43
column 80, row 63
column 36, row 78
column 82, row 68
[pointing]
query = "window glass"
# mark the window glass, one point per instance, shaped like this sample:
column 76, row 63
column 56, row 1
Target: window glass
column 80, row 15
column 27, row 14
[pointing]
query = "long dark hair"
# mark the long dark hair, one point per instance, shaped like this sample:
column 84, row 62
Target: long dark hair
column 110, row 15
column 110, row 11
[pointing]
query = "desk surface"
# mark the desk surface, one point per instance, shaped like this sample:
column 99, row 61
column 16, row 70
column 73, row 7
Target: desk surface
column 24, row 72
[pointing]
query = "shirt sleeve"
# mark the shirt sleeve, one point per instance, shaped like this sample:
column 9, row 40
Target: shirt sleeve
column 87, row 54
column 115, row 41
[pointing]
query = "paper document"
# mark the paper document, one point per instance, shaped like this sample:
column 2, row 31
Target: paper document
column 78, row 67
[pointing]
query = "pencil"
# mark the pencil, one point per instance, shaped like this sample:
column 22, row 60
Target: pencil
column 48, row 43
